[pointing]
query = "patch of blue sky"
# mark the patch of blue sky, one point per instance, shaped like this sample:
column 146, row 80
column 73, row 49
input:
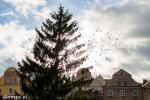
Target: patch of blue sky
column 2, row 46
column 112, row 2
column 6, row 62
column 5, row 19
column 29, row 22
column 105, row 3
column 6, row 12
column 1, row 71
column 3, row 6
column 75, row 6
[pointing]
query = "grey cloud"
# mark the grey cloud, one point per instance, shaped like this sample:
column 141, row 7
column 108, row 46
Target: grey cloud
column 142, row 30
column 130, row 22
column 109, row 59
column 144, row 51
column 7, row 62
column 139, row 15
column 141, row 51
column 16, row 41
column 2, row 46
column 136, row 66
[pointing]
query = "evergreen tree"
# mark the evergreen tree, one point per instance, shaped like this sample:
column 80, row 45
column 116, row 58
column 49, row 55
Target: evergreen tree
column 46, row 75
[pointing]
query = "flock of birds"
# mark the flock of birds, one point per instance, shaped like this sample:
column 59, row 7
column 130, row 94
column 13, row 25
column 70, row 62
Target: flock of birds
column 105, row 42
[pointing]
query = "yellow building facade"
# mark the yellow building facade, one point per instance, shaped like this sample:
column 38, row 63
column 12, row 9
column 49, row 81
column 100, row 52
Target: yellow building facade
column 9, row 83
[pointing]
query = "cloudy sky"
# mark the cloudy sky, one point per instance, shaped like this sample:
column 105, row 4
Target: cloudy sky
column 117, row 32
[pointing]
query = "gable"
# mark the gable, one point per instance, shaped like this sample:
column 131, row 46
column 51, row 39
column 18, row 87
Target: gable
column 122, row 72
column 146, row 85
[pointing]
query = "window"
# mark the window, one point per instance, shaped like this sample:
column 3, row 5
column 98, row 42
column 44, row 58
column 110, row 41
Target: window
column 15, row 81
column 135, row 93
column 11, row 80
column 125, row 83
column 118, row 82
column 110, row 93
column 101, row 92
column 0, row 91
column 7, row 80
column 148, row 93
column 122, row 92
column 10, row 91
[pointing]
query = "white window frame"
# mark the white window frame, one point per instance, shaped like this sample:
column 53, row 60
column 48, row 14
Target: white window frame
column 122, row 93
column 110, row 93
column 148, row 93
column 137, row 92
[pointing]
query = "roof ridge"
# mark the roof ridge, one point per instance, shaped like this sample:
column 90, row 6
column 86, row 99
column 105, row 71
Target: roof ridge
column 121, row 72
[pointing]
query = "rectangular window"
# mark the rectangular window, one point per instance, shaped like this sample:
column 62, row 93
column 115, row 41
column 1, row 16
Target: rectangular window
column 125, row 83
column 100, row 92
column 7, row 80
column 110, row 93
column 148, row 93
column 15, row 81
column 10, row 91
column 0, row 91
column 119, row 83
column 122, row 92
column 135, row 93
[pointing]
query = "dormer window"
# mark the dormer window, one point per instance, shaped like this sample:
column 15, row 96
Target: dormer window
column 121, row 73
column 82, row 72
column 125, row 83
column 119, row 83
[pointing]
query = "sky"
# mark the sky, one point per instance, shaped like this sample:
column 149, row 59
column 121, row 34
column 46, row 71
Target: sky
column 116, row 31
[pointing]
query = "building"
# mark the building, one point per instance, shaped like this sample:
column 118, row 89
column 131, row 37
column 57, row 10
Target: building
column 146, row 90
column 9, row 83
column 122, row 87
column 95, row 86
column 83, row 73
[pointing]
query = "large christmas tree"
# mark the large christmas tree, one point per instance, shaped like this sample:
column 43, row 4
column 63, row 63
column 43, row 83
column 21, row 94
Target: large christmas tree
column 46, row 75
